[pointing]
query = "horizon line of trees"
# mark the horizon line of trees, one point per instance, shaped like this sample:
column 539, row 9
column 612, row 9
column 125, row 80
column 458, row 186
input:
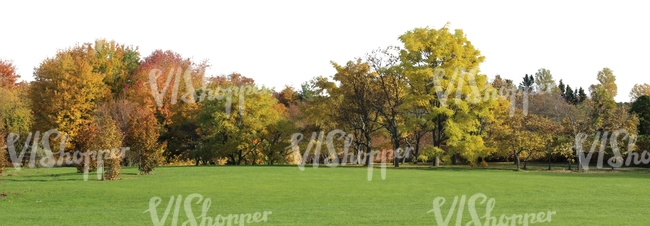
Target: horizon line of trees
column 414, row 95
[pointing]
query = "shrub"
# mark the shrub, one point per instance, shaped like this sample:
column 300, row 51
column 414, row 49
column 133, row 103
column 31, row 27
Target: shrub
column 101, row 139
column 143, row 137
column 220, row 161
column 3, row 160
column 86, row 141
column 112, row 164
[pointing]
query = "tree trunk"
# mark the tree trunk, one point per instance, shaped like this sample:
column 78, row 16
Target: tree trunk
column 240, row 157
column 358, row 153
column 517, row 159
column 368, row 145
column 579, row 160
column 395, row 154
column 525, row 163
column 549, row 161
column 416, row 152
column 368, row 155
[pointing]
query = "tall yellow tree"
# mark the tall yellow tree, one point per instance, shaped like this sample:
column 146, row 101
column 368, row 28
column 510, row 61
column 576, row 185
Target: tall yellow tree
column 442, row 69
column 66, row 90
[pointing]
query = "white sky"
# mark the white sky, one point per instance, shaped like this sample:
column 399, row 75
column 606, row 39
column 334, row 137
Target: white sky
column 289, row 42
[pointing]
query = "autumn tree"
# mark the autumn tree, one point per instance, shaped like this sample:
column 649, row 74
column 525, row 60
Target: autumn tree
column 607, row 82
column 546, row 132
column 499, row 83
column 66, row 89
column 603, row 95
column 85, row 144
column 355, row 108
column 109, row 148
column 286, row 96
column 117, row 62
column 15, row 117
column 437, row 64
column 520, row 134
column 100, row 143
column 8, row 75
column 121, row 111
column 606, row 116
column 240, row 135
column 639, row 90
column 544, row 80
column 167, row 84
column 165, row 80
column 389, row 94
column 275, row 139
column 144, row 131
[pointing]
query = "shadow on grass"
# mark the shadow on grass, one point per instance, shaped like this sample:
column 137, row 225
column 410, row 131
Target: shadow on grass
column 92, row 176
column 43, row 180
column 539, row 169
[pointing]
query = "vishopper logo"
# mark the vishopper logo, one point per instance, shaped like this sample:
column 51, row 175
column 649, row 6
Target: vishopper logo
column 205, row 220
column 334, row 158
column 514, row 219
column 600, row 141
column 48, row 160
column 457, row 81
column 191, row 95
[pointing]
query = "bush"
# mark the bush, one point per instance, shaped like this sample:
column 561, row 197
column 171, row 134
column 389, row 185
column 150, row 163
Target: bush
column 91, row 163
column 220, row 161
column 100, row 139
column 143, row 130
column 484, row 164
column 112, row 165
column 3, row 160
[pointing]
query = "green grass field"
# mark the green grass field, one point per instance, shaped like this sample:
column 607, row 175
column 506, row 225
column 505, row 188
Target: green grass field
column 323, row 196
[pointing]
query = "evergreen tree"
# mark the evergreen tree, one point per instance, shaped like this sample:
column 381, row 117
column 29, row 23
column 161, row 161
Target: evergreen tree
column 582, row 96
column 562, row 88
column 528, row 82
column 569, row 96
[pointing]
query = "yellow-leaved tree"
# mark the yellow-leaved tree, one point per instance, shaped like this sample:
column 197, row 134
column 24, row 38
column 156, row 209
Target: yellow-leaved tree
column 65, row 91
column 445, row 87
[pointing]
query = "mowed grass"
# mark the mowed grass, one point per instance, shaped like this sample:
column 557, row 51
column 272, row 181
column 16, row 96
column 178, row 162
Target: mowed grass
column 322, row 196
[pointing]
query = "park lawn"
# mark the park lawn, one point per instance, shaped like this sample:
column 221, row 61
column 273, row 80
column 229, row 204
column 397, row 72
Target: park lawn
column 322, row 196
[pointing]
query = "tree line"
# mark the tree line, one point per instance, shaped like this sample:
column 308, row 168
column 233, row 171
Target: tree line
column 427, row 94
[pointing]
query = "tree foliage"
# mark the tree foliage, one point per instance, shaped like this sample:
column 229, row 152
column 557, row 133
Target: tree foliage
column 8, row 75
column 240, row 136
column 438, row 63
column 144, row 131
column 66, row 90
column 641, row 107
column 639, row 90
column 544, row 80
